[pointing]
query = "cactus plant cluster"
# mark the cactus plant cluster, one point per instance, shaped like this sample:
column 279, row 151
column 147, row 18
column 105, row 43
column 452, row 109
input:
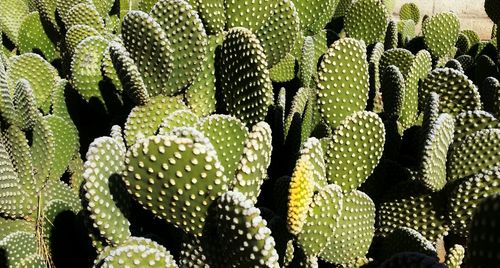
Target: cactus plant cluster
column 231, row 133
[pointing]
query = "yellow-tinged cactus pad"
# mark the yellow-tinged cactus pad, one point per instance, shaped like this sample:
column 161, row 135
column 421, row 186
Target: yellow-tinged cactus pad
column 343, row 81
column 366, row 20
column 38, row 72
column 354, row 150
column 12, row 14
column 355, row 230
column 322, row 220
column 477, row 152
column 300, row 196
column 440, row 33
column 103, row 170
column 244, row 78
column 176, row 177
column 455, row 256
column 76, row 34
column 144, row 121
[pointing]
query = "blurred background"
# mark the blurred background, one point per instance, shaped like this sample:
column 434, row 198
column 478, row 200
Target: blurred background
column 471, row 13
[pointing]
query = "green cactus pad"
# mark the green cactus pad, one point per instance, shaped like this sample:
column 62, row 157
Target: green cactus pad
column 307, row 63
column 300, row 195
column 109, row 70
column 462, row 44
column 355, row 231
column 406, row 31
column 465, row 196
column 7, row 110
column 188, row 40
column 472, row 36
column 138, row 256
column 86, row 66
column 17, row 246
column 32, row 261
column 9, row 226
column 366, row 20
column 492, row 10
column 314, row 15
column 42, row 151
column 59, row 190
column 440, row 33
column 102, row 179
column 356, row 145
column 12, row 14
column 409, row 11
column 490, row 96
column 103, row 6
column 84, row 14
column 416, row 212
column 482, row 245
column 244, row 78
column 412, row 260
column 131, row 241
column 228, row 135
column 374, row 65
column 311, row 151
column 284, row 70
column 33, row 36
column 454, row 64
column 76, row 34
column 391, row 35
column 393, row 91
column 192, row 253
column 404, row 239
column 50, row 211
column 251, row 170
column 435, row 149
column 342, row 8
column 24, row 101
column 179, row 118
column 127, row 72
column 299, row 103
column 187, row 171
column 398, row 57
column 212, row 14
column 455, row 256
column 477, row 152
column 65, row 145
column 38, row 72
column 339, row 97
column 151, row 51
column 59, row 106
column 471, row 121
column 322, row 220
column 237, row 234
column 19, row 150
column 278, row 33
column 145, row 120
column 457, row 93
column 200, row 95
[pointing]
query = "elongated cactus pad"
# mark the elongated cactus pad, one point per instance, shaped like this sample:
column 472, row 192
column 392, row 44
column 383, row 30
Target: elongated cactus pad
column 393, row 91
column 19, row 150
column 355, row 231
column 311, row 151
column 404, row 239
column 175, row 168
column 228, row 135
column 484, row 240
column 457, row 93
column 300, row 195
column 38, row 72
column 465, row 196
column 339, row 97
column 238, row 235
column 145, row 120
column 42, row 151
column 322, row 220
column 440, row 33
column 7, row 109
column 65, row 145
column 391, row 35
column 151, row 51
column 102, row 182
column 358, row 142
column 244, row 78
column 26, row 105
column 437, row 141
column 477, row 152
column 366, row 20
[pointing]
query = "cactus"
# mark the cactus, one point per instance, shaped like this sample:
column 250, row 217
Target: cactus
column 391, row 35
column 404, row 239
column 366, row 20
column 440, row 44
column 410, row 11
column 12, row 15
column 455, row 256
column 84, row 14
column 471, row 121
column 32, row 36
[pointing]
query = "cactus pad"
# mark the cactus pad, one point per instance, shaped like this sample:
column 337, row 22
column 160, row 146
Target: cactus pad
column 358, row 142
column 84, row 14
column 321, row 221
column 300, row 196
column 179, row 118
column 33, row 36
column 404, row 239
column 176, row 177
column 12, row 14
column 103, row 168
column 65, row 145
column 339, row 97
column 238, row 235
column 398, row 57
column 151, row 51
column 440, row 33
column 477, row 152
column 244, row 78
column 284, row 70
column 38, row 72
column 392, row 88
column 409, row 11
column 355, row 231
column 140, row 256
column 367, row 20
column 314, row 15
column 145, row 120
column 17, row 246
column 76, row 34
column 455, row 256
column 7, row 110
column 471, row 121
column 457, row 93
column 492, row 10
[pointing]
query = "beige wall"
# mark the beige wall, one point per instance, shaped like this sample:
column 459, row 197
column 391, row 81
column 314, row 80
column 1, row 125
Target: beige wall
column 470, row 12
